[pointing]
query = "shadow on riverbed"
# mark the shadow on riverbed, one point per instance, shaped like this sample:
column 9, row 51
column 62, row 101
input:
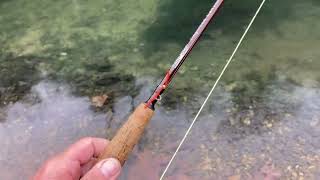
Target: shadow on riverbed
column 17, row 75
column 177, row 20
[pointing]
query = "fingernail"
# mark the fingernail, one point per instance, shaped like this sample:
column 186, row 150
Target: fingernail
column 110, row 167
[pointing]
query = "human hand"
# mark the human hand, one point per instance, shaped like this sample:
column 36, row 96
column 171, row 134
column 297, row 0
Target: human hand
column 78, row 162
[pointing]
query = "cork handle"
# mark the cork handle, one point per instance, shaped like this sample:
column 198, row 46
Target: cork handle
column 128, row 135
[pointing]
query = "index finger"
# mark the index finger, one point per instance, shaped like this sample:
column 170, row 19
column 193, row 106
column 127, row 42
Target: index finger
column 86, row 148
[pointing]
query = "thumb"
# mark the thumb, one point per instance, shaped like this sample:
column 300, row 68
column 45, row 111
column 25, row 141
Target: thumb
column 108, row 169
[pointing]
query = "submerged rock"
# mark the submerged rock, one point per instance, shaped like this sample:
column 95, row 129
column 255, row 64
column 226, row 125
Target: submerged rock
column 99, row 101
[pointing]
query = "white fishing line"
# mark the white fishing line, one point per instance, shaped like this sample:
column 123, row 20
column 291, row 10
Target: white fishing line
column 212, row 89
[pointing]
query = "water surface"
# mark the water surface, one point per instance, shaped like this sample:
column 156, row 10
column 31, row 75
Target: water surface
column 262, row 121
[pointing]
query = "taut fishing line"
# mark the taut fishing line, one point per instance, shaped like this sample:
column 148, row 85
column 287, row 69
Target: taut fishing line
column 212, row 89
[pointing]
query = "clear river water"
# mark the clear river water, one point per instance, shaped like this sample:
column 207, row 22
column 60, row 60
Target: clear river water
column 263, row 120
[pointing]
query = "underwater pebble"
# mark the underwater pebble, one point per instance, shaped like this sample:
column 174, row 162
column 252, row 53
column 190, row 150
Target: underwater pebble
column 185, row 98
column 135, row 50
column 99, row 101
column 194, row 68
column 231, row 86
column 294, row 174
column 269, row 125
column 234, row 177
column 63, row 53
column 247, row 121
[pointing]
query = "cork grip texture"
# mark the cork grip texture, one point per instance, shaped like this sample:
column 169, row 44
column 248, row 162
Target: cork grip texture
column 128, row 135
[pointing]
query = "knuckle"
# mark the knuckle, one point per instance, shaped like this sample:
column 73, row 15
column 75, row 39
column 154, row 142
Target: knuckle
column 86, row 140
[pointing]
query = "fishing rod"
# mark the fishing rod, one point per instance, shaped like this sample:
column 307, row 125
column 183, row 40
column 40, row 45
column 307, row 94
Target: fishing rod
column 131, row 131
